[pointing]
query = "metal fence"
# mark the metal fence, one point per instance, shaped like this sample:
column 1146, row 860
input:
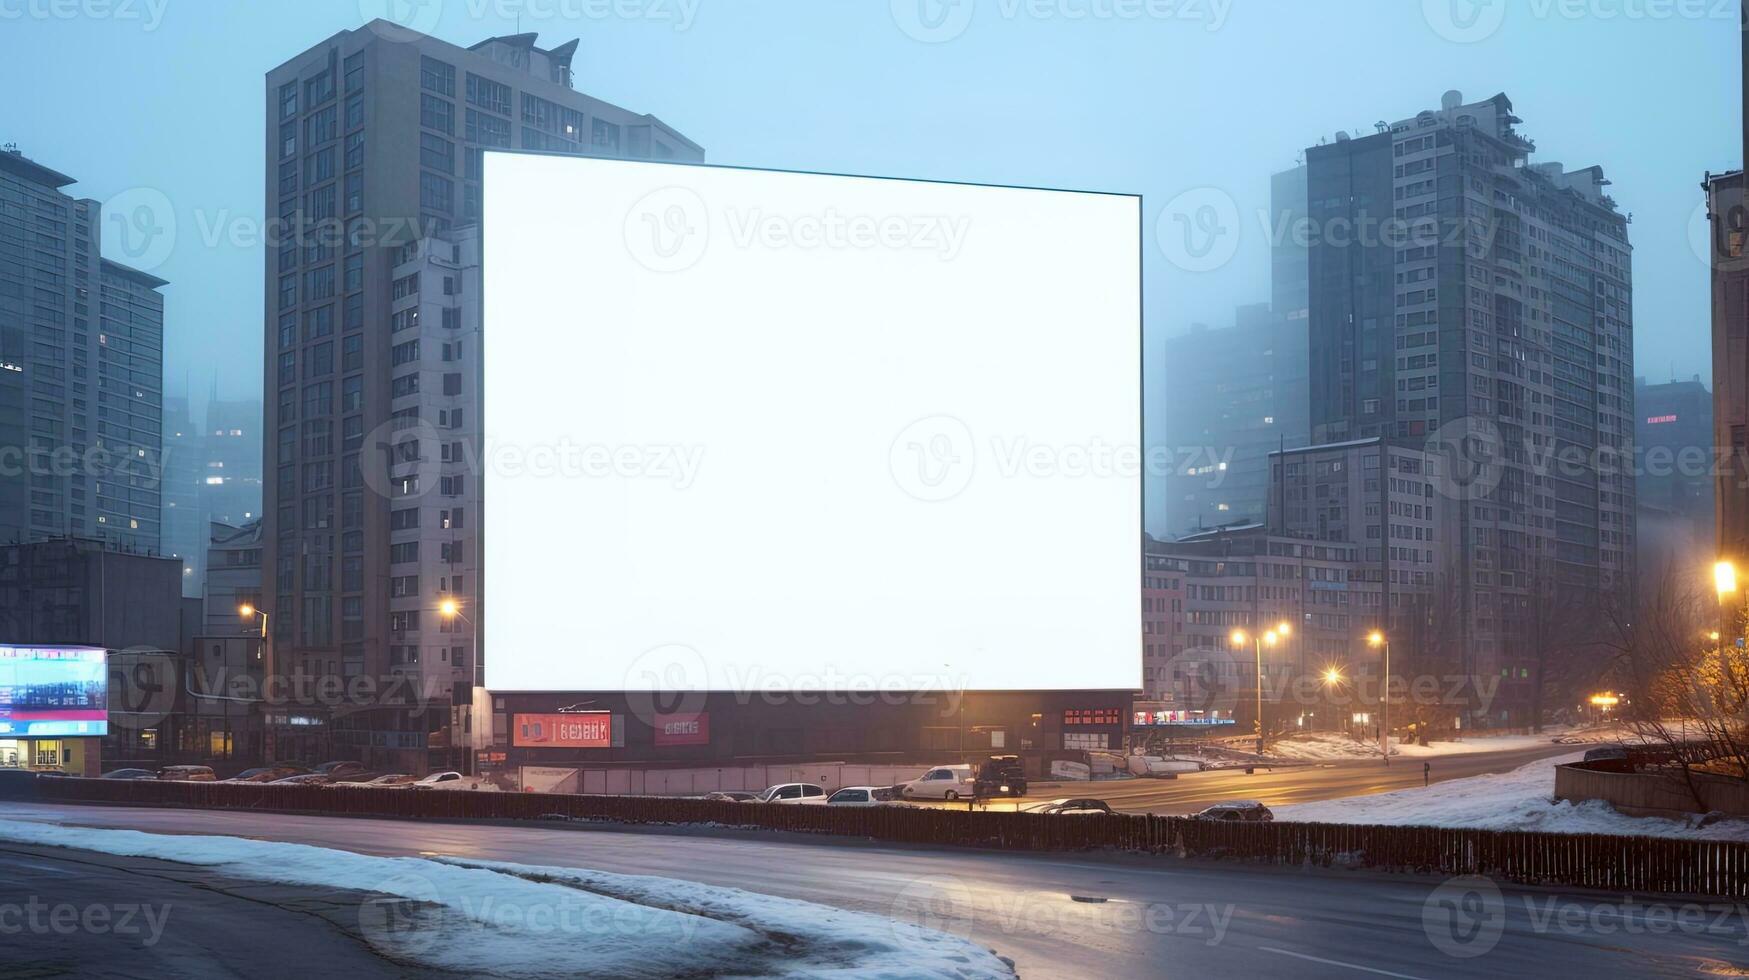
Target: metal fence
column 1635, row 864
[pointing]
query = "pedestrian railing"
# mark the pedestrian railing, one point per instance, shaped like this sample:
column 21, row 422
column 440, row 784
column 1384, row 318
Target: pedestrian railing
column 1645, row 865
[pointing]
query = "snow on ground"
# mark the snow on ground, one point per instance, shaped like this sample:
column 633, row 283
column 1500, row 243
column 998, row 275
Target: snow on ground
column 489, row 919
column 1516, row 800
column 1337, row 746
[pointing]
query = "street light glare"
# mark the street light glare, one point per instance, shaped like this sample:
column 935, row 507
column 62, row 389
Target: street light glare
column 1237, row 637
column 1332, row 676
column 1725, row 577
column 1283, row 629
column 245, row 610
column 448, row 607
column 1375, row 638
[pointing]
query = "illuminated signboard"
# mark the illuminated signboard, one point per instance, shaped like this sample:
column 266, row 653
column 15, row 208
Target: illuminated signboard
column 1178, row 717
column 1659, row 419
column 581, row 730
column 687, row 729
column 53, row 691
column 1092, row 716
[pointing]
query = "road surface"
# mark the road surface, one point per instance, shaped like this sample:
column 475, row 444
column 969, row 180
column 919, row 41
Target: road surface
column 79, row 914
column 1114, row 916
column 1290, row 784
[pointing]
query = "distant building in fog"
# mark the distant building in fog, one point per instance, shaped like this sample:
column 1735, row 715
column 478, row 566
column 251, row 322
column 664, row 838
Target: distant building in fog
column 1673, row 435
column 1233, row 396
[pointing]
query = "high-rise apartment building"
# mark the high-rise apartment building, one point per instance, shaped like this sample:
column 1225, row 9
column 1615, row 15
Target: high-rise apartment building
column 374, row 140
column 1462, row 296
column 81, row 372
column 1728, row 219
column 1674, row 436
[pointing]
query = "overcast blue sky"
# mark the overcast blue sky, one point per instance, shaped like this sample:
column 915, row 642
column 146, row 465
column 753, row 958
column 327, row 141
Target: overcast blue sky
column 1152, row 96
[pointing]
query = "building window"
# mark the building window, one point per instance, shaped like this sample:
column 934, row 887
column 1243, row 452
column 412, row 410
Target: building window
column 436, row 153
column 436, row 113
column 437, row 76
column 487, row 94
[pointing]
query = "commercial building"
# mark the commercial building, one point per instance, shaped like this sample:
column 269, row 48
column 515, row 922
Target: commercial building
column 1466, row 300
column 81, row 372
column 1728, row 221
column 374, row 141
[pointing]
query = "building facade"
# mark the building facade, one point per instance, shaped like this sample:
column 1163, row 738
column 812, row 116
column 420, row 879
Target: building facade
column 371, row 332
column 1674, row 436
column 1728, row 220
column 81, row 372
column 1469, row 301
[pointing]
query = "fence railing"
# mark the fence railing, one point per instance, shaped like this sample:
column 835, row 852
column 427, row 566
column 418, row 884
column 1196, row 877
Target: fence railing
column 1636, row 864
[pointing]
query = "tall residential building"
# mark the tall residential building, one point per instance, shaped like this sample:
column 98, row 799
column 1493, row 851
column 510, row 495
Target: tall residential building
column 371, row 421
column 1728, row 219
column 81, row 372
column 1233, row 396
column 1462, row 296
column 1674, row 436
column 231, row 462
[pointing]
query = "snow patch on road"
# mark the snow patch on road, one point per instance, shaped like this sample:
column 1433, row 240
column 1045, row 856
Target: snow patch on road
column 1518, row 800
column 488, row 919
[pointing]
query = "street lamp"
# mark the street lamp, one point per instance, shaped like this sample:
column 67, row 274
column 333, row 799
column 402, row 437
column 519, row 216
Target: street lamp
column 450, row 609
column 1268, row 638
column 1377, row 638
column 269, row 746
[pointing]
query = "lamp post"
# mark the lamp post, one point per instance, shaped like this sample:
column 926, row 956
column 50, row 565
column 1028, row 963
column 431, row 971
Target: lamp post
column 1268, row 637
column 450, row 609
column 269, row 745
column 1377, row 638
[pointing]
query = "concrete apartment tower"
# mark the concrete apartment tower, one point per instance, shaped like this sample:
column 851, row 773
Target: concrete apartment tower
column 1462, row 296
column 81, row 370
column 372, row 332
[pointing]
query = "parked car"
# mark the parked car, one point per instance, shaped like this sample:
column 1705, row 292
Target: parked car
column 388, row 779
column 195, row 774
column 130, row 774
column 1070, row 807
column 942, row 783
column 266, row 774
column 1001, row 775
column 304, row 779
column 1237, row 811
column 855, row 796
column 434, row 779
column 732, row 796
column 339, row 768
column 791, row 793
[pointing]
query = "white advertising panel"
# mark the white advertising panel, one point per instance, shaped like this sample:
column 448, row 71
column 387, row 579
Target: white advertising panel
column 750, row 430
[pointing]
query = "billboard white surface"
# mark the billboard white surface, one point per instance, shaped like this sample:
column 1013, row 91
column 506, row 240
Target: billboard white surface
column 764, row 431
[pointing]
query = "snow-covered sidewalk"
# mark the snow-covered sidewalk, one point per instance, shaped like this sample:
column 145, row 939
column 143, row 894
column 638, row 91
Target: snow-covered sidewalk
column 485, row 918
column 1518, row 800
column 1338, row 747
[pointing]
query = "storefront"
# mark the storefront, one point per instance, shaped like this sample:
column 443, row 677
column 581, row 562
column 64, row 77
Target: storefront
column 76, row 756
column 54, row 708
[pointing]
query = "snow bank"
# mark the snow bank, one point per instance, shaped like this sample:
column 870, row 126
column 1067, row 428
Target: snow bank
column 1336, row 746
column 487, row 919
column 1516, row 800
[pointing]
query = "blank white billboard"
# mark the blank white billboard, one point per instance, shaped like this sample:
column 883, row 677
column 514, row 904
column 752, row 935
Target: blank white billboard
column 749, row 430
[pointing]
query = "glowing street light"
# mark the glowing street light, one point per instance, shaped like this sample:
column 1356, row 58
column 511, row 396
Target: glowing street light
column 1377, row 638
column 1724, row 578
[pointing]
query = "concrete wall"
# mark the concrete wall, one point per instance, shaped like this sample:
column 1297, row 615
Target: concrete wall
column 1652, row 794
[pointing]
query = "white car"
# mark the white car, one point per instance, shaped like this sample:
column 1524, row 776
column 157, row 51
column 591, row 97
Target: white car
column 941, row 783
column 856, row 796
column 792, row 793
column 439, row 780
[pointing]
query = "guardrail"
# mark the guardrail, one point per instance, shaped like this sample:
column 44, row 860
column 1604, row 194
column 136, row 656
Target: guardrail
column 1634, row 864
